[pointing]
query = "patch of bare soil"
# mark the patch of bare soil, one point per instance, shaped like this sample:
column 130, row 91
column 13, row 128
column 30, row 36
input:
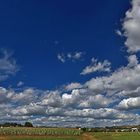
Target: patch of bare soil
column 3, row 138
column 88, row 136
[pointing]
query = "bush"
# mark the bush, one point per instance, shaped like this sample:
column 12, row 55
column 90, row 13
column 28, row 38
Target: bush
column 28, row 124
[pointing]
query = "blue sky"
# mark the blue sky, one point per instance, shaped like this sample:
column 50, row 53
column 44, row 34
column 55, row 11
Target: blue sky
column 37, row 31
column 70, row 62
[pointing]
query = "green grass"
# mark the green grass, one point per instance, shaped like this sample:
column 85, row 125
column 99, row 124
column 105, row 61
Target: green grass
column 117, row 136
column 24, row 133
column 40, row 131
column 43, row 139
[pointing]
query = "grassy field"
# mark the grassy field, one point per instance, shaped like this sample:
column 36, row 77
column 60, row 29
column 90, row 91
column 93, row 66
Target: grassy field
column 24, row 133
column 39, row 138
column 117, row 136
column 39, row 131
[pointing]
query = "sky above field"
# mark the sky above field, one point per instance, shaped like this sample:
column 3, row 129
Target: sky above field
column 70, row 62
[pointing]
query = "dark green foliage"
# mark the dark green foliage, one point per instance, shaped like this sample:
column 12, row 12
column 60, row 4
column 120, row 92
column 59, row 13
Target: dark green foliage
column 28, row 124
column 7, row 124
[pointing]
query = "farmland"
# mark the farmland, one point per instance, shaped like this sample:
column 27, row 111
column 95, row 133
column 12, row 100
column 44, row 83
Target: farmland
column 40, row 131
column 36, row 138
column 25, row 133
column 117, row 136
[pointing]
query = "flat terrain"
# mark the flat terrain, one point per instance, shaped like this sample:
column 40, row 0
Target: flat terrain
column 25, row 133
column 40, row 138
column 62, row 134
column 117, row 136
column 85, row 136
column 37, row 138
column 88, row 136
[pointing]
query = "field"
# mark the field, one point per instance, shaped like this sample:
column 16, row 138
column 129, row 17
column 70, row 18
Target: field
column 36, row 138
column 117, row 136
column 22, row 133
column 19, row 133
column 39, row 131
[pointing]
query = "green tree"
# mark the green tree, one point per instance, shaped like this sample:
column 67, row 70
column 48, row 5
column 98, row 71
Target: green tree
column 28, row 124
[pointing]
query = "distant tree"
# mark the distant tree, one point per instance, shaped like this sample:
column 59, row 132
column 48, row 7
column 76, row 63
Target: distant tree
column 28, row 124
column 84, row 129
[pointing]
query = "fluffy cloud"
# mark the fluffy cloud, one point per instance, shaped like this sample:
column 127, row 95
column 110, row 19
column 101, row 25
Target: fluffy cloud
column 8, row 65
column 131, row 26
column 125, row 78
column 100, row 101
column 26, row 96
column 96, row 101
column 59, row 108
column 130, row 93
column 72, row 86
column 96, row 66
column 70, row 56
column 5, row 95
column 133, row 60
column 70, row 121
column 52, row 99
column 130, row 103
column 102, row 113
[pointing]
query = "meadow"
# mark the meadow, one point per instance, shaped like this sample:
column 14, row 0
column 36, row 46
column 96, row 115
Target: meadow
column 36, row 138
column 117, row 136
column 39, row 131
column 25, row 133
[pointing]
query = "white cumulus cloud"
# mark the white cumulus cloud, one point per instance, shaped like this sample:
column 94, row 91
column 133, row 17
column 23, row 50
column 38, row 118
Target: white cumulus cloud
column 97, row 66
column 8, row 65
column 130, row 103
column 131, row 27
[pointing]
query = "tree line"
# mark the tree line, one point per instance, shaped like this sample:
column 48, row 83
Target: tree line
column 9, row 124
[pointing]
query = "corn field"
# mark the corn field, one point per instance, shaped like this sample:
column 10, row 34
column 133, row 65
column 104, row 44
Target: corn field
column 39, row 131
